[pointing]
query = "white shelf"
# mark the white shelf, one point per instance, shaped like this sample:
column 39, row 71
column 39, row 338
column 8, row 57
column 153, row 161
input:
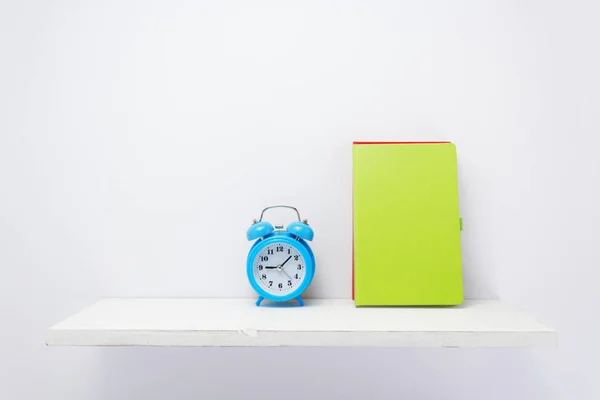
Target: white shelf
column 238, row 322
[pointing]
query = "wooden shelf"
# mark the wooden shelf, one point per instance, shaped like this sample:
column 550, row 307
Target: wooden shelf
column 321, row 322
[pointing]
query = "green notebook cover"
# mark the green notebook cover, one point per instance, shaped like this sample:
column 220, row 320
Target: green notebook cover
column 406, row 222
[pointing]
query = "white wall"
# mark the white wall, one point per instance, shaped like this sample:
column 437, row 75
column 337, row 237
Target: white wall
column 139, row 139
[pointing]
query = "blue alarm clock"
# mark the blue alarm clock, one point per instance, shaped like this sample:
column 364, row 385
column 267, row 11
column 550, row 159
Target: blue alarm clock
column 280, row 263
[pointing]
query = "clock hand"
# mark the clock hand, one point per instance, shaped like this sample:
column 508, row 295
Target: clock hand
column 288, row 259
column 285, row 272
column 280, row 268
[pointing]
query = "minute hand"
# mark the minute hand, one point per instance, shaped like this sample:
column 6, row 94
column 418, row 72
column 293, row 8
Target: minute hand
column 288, row 259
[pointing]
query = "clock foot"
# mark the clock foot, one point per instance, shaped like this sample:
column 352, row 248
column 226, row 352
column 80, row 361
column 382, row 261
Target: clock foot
column 300, row 301
column 260, row 299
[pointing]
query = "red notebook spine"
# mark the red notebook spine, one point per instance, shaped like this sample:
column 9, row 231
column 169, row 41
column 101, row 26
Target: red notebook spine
column 399, row 142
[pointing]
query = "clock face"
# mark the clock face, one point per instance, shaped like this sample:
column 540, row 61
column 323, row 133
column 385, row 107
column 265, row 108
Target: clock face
column 279, row 268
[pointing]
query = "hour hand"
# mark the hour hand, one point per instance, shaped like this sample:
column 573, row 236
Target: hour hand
column 275, row 267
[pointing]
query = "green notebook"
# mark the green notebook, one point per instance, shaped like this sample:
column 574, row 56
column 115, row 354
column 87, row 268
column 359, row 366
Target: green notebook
column 406, row 241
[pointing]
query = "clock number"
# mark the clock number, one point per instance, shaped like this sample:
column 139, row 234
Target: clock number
column 264, row 258
column 296, row 276
column 270, row 283
column 263, row 276
column 280, row 285
column 269, row 251
column 289, row 283
column 260, row 267
column 279, row 249
column 299, row 267
column 289, row 251
column 295, row 258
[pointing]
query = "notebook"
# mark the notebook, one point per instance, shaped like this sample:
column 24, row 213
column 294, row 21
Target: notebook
column 406, row 223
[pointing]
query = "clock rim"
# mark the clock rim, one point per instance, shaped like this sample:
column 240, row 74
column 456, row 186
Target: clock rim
column 286, row 239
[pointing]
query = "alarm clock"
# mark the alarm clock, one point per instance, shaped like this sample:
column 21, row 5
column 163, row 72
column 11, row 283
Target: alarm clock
column 280, row 263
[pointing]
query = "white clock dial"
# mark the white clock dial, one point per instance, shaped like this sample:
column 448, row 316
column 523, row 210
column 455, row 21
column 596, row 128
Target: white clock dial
column 279, row 268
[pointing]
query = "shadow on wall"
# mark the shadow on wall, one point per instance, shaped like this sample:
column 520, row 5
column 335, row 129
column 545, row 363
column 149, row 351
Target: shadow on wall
column 318, row 373
column 477, row 273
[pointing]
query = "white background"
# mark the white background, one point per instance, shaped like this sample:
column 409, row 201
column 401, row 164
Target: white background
column 139, row 139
